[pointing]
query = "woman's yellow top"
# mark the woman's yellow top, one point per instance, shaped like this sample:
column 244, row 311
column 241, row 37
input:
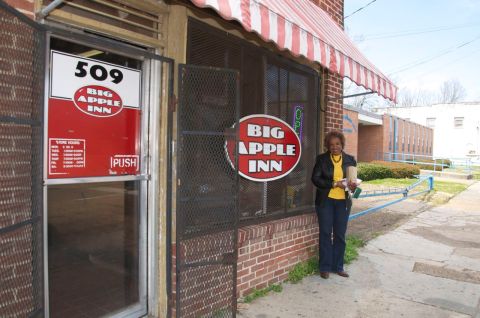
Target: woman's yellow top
column 337, row 193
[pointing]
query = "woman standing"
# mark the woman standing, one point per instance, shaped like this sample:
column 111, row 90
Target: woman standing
column 332, row 203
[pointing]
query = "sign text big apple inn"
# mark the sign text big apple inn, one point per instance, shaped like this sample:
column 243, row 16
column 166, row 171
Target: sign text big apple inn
column 268, row 148
column 94, row 118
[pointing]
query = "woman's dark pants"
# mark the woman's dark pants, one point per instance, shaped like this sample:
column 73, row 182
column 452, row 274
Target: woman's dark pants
column 333, row 216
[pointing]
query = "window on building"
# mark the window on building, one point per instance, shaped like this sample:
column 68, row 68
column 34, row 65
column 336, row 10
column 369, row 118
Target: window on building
column 269, row 85
column 458, row 122
column 431, row 122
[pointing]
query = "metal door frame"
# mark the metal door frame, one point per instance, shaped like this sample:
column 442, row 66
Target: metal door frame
column 154, row 73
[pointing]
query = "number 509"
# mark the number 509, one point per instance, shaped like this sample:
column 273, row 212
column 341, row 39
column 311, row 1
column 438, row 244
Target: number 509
column 98, row 72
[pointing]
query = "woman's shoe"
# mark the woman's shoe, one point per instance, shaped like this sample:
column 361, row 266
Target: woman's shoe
column 343, row 274
column 324, row 275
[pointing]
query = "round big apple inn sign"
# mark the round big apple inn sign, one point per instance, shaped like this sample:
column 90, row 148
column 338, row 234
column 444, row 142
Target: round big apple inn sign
column 268, row 148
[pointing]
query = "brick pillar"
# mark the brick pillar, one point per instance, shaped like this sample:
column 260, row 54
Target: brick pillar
column 334, row 105
column 334, row 8
column 333, row 82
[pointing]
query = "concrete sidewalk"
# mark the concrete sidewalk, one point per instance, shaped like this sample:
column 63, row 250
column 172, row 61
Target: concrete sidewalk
column 428, row 267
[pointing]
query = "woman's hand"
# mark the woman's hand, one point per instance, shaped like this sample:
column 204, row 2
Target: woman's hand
column 352, row 186
column 339, row 184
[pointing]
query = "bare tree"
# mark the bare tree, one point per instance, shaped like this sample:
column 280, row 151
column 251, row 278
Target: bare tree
column 406, row 98
column 419, row 97
column 362, row 101
column 451, row 91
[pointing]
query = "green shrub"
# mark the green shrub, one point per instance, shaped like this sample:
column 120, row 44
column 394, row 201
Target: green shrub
column 425, row 166
column 400, row 170
column 370, row 171
column 446, row 162
column 384, row 169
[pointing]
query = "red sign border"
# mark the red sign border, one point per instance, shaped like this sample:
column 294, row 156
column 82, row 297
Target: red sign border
column 269, row 179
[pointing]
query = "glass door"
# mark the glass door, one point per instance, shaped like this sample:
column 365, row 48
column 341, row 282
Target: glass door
column 96, row 181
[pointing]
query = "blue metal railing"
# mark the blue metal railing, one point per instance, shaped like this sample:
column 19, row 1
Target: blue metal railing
column 405, row 192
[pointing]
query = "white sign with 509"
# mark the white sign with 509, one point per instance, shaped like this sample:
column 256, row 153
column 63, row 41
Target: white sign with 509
column 70, row 73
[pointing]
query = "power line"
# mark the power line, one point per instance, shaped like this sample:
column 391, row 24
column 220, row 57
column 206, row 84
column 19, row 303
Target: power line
column 409, row 33
column 360, row 9
column 422, row 29
column 431, row 58
column 448, row 64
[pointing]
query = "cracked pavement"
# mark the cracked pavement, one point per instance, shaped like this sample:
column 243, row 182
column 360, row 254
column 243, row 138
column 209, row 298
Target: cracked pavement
column 428, row 266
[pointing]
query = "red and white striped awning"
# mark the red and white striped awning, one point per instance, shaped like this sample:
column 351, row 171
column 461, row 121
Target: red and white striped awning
column 305, row 29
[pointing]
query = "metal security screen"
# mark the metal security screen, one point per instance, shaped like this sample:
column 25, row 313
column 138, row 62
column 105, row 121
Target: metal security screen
column 207, row 189
column 21, row 103
column 274, row 86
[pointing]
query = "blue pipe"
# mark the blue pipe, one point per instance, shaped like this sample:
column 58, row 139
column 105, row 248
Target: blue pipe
column 405, row 193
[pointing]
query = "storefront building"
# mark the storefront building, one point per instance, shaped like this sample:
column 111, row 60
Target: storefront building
column 156, row 156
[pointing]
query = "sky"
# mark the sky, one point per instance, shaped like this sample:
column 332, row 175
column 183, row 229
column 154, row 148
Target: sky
column 419, row 44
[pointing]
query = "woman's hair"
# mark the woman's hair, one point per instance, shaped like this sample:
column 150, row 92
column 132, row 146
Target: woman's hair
column 334, row 134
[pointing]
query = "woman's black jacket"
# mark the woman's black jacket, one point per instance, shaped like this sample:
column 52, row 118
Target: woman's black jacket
column 322, row 176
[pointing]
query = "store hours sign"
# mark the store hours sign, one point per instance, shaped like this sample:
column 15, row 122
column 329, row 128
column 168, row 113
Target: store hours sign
column 268, row 148
column 94, row 118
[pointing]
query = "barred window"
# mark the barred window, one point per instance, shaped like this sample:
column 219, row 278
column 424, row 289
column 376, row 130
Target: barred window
column 270, row 85
column 458, row 122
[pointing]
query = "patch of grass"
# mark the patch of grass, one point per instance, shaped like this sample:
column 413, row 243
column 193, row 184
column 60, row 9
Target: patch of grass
column 302, row 270
column 452, row 188
column 449, row 187
column 257, row 293
column 351, row 250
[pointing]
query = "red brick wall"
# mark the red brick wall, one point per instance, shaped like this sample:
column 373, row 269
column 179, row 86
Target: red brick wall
column 401, row 142
column 373, row 140
column 24, row 6
column 387, row 145
column 351, row 132
column 267, row 252
column 370, row 142
column 334, row 106
column 208, row 287
column 334, row 8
